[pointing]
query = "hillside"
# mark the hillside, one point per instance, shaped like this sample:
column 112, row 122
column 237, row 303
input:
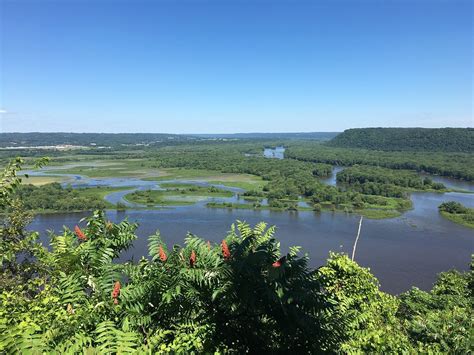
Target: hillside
column 34, row 139
column 283, row 135
column 405, row 139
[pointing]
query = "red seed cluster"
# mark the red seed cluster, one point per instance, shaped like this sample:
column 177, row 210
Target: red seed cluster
column 279, row 262
column 162, row 254
column 225, row 250
column 192, row 259
column 116, row 292
column 80, row 234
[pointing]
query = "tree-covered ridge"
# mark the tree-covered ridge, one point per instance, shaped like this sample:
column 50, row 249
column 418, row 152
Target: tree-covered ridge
column 240, row 295
column 407, row 139
column 456, row 165
column 140, row 140
column 457, row 213
column 89, row 139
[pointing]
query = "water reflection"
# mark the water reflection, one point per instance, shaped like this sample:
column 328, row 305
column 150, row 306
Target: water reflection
column 276, row 153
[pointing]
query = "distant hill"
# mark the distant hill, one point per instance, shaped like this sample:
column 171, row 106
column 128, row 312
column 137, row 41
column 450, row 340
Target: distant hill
column 35, row 139
column 406, row 139
column 127, row 140
column 298, row 135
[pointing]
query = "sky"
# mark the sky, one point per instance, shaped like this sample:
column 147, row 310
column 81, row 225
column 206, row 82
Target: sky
column 227, row 66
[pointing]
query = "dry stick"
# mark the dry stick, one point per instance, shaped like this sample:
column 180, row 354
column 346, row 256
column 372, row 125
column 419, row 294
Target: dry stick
column 357, row 239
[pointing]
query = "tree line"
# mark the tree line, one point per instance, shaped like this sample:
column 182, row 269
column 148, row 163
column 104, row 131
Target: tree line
column 456, row 165
column 458, row 213
column 407, row 139
column 387, row 182
column 54, row 197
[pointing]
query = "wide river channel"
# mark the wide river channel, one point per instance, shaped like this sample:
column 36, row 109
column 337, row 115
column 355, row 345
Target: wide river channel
column 402, row 252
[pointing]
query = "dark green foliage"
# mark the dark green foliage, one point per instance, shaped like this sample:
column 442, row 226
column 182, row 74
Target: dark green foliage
column 90, row 140
column 441, row 320
column 19, row 250
column 380, row 180
column 458, row 213
column 53, row 197
column 407, row 139
column 453, row 207
column 456, row 165
column 366, row 316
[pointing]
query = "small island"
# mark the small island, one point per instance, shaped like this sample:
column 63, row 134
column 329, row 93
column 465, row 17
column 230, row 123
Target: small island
column 176, row 194
column 457, row 213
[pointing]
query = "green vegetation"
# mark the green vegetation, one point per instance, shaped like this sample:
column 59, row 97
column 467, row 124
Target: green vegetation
column 407, row 139
column 456, row 165
column 457, row 213
column 96, row 142
column 43, row 180
column 256, row 184
column 375, row 184
column 91, row 140
column 282, row 182
column 279, row 206
column 288, row 181
column 176, row 194
column 243, row 295
column 108, row 168
column 372, row 180
column 54, row 198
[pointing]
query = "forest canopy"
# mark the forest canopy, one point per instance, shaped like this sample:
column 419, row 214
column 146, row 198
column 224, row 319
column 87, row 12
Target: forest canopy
column 406, row 139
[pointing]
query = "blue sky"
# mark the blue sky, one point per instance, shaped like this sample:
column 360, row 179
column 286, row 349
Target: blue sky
column 234, row 66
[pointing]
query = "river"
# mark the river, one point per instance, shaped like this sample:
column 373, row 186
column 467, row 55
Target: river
column 402, row 252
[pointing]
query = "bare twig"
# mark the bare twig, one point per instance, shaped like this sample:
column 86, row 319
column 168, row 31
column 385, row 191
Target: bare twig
column 357, row 239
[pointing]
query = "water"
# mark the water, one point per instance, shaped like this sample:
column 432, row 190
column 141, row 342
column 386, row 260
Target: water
column 135, row 184
column 451, row 183
column 331, row 179
column 402, row 252
column 276, row 153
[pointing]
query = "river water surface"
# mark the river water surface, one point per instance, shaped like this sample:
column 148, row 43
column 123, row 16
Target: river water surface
column 402, row 252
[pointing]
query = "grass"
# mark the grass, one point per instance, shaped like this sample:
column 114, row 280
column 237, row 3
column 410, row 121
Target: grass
column 182, row 174
column 108, row 168
column 176, row 195
column 100, row 191
column 140, row 168
column 378, row 214
column 459, row 218
column 244, row 181
column 390, row 203
column 366, row 212
column 256, row 184
column 252, row 198
column 155, row 200
column 242, row 206
column 43, row 180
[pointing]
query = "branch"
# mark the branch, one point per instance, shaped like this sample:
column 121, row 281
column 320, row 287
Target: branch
column 357, row 239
